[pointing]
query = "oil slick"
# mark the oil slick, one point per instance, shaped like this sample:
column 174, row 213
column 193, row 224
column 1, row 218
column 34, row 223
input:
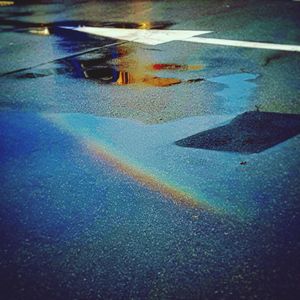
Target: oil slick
column 100, row 149
column 148, row 180
column 147, row 155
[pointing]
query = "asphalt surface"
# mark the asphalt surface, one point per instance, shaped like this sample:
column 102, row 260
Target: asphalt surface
column 133, row 171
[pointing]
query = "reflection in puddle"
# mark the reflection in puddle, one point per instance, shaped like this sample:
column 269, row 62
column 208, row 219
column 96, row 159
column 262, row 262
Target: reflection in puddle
column 176, row 67
column 119, row 65
column 6, row 3
column 128, row 78
column 40, row 31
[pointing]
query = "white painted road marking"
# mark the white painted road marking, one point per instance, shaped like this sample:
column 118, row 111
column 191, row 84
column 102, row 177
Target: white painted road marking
column 149, row 37
column 244, row 44
column 156, row 37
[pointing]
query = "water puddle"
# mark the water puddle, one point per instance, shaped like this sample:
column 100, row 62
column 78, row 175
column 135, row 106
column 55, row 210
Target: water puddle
column 118, row 65
column 105, row 73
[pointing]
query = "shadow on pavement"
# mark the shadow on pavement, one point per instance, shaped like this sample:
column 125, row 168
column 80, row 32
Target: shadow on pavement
column 250, row 132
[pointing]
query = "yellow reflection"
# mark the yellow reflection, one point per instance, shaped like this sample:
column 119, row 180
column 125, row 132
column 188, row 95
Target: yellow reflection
column 40, row 31
column 125, row 78
column 134, row 67
column 145, row 25
column 129, row 78
column 160, row 81
column 6, row 3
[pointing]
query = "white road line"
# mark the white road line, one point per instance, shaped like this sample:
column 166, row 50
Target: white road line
column 245, row 44
column 144, row 36
column 156, row 37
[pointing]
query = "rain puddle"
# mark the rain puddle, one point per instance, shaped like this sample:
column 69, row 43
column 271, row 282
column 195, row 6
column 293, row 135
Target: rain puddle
column 118, row 65
column 106, row 72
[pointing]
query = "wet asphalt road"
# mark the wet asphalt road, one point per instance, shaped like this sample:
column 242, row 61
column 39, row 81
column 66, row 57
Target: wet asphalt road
column 107, row 191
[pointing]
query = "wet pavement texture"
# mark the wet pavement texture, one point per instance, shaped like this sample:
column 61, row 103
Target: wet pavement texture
column 132, row 171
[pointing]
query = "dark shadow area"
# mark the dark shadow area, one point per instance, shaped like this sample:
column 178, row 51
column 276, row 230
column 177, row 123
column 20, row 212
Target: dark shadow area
column 250, row 132
column 274, row 56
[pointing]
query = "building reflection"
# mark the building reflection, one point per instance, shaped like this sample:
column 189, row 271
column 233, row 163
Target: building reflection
column 118, row 64
column 125, row 64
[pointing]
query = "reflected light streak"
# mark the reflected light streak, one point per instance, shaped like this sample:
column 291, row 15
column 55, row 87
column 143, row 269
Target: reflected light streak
column 129, row 78
column 145, row 25
column 6, row 3
column 40, row 31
